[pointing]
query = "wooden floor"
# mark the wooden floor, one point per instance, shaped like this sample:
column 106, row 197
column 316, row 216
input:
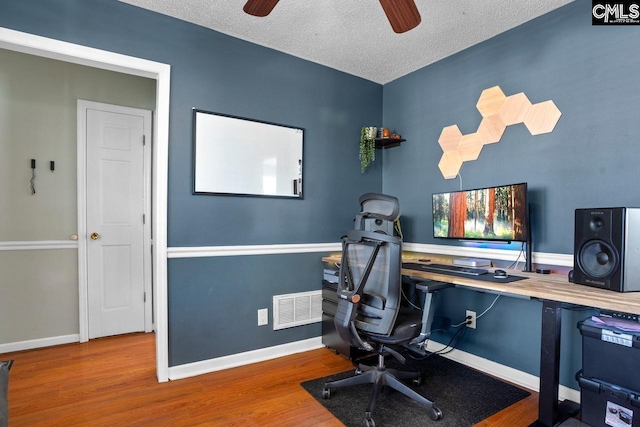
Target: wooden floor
column 112, row 382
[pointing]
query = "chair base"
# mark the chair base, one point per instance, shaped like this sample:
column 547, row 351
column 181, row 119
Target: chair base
column 380, row 376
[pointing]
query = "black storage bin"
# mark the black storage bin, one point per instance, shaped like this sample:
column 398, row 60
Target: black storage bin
column 610, row 355
column 330, row 336
column 603, row 404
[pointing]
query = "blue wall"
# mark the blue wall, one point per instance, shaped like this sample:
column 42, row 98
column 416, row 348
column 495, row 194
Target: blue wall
column 215, row 72
column 590, row 159
column 213, row 303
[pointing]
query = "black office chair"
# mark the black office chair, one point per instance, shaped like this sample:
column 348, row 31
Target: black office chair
column 369, row 315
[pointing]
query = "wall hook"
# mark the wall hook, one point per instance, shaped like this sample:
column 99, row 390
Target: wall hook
column 33, row 177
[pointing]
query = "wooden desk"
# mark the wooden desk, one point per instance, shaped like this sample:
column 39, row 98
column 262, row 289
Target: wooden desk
column 552, row 287
column 552, row 290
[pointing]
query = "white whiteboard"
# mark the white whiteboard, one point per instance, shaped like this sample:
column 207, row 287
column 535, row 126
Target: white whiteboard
column 237, row 156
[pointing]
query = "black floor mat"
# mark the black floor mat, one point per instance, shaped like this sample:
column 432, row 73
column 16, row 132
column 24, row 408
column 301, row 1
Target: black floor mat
column 465, row 396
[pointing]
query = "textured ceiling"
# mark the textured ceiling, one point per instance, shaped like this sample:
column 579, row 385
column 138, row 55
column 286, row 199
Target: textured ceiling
column 354, row 36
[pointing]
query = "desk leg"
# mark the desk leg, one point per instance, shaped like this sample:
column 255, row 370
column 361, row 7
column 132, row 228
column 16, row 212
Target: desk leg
column 549, row 412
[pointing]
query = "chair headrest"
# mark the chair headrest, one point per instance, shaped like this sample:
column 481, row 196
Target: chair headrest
column 380, row 206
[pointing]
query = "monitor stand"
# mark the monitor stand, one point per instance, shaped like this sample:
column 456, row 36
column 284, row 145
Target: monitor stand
column 472, row 262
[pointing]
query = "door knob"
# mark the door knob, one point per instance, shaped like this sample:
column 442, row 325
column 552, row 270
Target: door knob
column 94, row 236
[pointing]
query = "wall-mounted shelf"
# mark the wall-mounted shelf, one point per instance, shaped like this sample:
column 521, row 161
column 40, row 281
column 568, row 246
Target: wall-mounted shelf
column 388, row 142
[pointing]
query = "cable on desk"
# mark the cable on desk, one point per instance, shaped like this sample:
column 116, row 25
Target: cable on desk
column 478, row 316
column 464, row 322
column 447, row 348
column 515, row 263
column 457, row 336
column 412, row 282
column 489, row 308
column 409, row 301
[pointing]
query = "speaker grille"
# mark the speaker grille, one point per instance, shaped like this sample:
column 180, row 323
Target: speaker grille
column 598, row 259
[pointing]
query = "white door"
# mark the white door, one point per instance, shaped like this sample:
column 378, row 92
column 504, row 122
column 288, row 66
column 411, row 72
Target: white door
column 115, row 219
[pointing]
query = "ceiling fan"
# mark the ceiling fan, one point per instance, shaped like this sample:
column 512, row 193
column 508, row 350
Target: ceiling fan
column 403, row 15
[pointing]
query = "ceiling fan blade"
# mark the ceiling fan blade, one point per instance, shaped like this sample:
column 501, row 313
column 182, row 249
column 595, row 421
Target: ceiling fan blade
column 259, row 8
column 403, row 15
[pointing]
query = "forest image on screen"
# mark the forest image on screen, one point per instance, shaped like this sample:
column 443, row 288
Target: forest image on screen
column 496, row 213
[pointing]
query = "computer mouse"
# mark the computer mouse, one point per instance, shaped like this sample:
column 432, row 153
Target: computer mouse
column 500, row 274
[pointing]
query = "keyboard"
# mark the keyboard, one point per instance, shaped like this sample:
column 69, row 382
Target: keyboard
column 445, row 268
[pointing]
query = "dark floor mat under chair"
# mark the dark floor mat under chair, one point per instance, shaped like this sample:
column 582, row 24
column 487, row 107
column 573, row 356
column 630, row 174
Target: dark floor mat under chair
column 465, row 395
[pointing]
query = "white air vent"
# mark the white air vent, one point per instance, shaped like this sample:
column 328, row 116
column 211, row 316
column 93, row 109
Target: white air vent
column 297, row 309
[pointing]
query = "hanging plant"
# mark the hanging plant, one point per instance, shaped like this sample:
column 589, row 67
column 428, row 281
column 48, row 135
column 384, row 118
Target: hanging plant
column 367, row 147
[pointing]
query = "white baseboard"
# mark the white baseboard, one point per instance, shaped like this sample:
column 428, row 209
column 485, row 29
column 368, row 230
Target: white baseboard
column 503, row 372
column 240, row 359
column 506, row 373
column 38, row 343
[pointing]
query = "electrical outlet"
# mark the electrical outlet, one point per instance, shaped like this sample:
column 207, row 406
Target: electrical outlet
column 263, row 317
column 471, row 323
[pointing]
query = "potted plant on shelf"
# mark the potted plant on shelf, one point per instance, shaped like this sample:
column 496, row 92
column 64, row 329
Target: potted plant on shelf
column 367, row 147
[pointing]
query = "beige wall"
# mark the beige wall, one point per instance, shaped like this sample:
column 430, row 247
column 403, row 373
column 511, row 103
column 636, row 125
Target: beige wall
column 39, row 289
column 39, row 294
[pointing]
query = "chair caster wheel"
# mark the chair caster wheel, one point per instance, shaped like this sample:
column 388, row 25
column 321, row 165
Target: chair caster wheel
column 417, row 381
column 368, row 422
column 358, row 371
column 435, row 414
column 326, row 393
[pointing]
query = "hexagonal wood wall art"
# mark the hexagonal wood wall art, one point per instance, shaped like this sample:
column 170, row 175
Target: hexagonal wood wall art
column 498, row 111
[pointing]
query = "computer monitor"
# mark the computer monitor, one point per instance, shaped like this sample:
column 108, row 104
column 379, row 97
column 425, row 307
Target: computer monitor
column 495, row 214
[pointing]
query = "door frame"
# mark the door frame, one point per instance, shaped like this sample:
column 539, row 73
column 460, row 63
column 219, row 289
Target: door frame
column 83, row 273
column 74, row 53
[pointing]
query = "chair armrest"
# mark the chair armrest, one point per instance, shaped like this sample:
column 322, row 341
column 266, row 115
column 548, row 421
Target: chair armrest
column 432, row 285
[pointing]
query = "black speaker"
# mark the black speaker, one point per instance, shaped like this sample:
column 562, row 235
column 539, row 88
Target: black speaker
column 607, row 248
